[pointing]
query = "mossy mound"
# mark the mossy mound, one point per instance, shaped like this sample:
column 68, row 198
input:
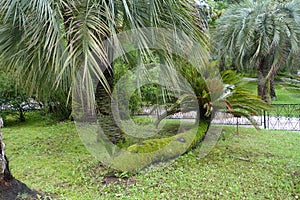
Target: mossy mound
column 150, row 145
column 152, row 151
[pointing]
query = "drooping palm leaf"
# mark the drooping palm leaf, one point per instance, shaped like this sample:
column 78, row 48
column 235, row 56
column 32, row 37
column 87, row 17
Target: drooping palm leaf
column 253, row 30
column 45, row 43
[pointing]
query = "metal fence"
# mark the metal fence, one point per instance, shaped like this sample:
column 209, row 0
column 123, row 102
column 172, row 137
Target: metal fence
column 281, row 117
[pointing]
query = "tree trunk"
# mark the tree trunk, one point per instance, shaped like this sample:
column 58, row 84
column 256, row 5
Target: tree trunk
column 263, row 85
column 21, row 113
column 272, row 86
column 104, row 110
column 222, row 64
column 5, row 174
column 10, row 188
column 260, row 83
column 106, row 119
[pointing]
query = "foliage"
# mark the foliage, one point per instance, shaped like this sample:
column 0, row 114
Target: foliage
column 67, row 45
column 287, row 92
column 242, row 102
column 233, row 97
column 151, row 94
column 57, row 105
column 16, row 101
column 47, row 43
column 259, row 35
column 292, row 86
column 250, row 165
column 226, row 91
column 210, row 10
column 13, row 99
column 259, row 29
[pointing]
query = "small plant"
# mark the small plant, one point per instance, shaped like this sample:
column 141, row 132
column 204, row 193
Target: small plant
column 23, row 196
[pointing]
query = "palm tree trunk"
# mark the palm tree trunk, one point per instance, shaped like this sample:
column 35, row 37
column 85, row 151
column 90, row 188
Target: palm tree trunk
column 263, row 85
column 106, row 119
column 104, row 107
column 222, row 64
column 272, row 86
column 261, row 82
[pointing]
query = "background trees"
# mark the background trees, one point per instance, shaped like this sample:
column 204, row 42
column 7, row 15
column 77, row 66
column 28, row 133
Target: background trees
column 260, row 35
column 13, row 99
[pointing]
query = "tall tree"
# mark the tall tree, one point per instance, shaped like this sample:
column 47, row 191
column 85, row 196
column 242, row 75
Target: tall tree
column 260, row 35
column 46, row 43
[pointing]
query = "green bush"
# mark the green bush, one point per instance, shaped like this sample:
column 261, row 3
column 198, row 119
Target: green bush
column 13, row 99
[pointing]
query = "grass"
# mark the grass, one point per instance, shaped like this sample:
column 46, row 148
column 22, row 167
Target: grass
column 250, row 165
column 284, row 95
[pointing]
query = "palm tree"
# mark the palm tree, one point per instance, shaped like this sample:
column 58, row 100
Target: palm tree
column 46, row 43
column 260, row 35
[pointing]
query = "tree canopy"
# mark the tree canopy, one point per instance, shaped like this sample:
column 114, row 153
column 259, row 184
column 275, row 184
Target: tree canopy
column 45, row 43
column 259, row 35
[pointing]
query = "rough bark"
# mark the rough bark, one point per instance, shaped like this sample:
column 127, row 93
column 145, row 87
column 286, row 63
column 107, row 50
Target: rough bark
column 104, row 102
column 105, row 116
column 5, row 174
column 21, row 113
column 263, row 85
column 222, row 63
column 103, row 97
column 272, row 86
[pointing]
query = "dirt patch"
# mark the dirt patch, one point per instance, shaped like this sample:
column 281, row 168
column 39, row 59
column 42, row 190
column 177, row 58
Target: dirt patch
column 115, row 180
column 108, row 177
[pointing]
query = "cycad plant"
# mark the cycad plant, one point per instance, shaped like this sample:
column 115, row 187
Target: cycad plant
column 226, row 93
column 242, row 101
column 260, row 35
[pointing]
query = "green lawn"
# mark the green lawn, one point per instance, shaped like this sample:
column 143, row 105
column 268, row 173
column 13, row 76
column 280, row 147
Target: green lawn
column 284, row 95
column 250, row 165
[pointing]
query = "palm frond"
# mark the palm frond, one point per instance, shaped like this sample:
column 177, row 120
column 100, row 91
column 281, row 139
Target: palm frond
column 48, row 43
column 256, row 29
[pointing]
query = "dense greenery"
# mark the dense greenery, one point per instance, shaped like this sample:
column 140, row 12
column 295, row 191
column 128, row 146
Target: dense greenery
column 55, row 49
column 60, row 45
column 211, row 94
column 13, row 99
column 250, row 165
